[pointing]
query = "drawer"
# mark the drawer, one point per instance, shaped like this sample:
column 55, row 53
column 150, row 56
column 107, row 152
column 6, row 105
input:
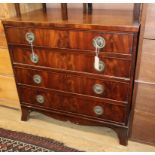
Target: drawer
column 75, row 83
column 72, row 39
column 72, row 103
column 74, row 61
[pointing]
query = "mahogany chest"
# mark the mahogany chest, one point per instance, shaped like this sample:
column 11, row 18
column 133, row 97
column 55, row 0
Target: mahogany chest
column 79, row 69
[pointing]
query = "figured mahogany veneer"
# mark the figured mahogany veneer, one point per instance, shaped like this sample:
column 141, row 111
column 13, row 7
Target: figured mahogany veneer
column 70, row 103
column 73, row 83
column 72, row 39
column 99, row 19
column 66, row 66
column 74, row 60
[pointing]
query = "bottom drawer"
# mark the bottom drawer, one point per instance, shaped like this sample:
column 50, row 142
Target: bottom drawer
column 71, row 103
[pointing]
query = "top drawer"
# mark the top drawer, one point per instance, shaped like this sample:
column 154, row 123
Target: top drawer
column 72, row 39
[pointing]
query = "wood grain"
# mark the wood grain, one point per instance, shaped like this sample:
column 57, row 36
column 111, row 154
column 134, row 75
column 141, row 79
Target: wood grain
column 110, row 6
column 64, row 11
column 8, row 89
column 28, row 7
column 150, row 22
column 9, row 103
column 145, row 98
column 5, row 63
column 3, row 43
column 147, row 65
column 144, row 118
column 17, row 8
column 75, row 35
column 86, row 138
column 67, row 103
column 139, row 53
column 99, row 19
column 8, row 92
column 73, row 83
column 137, row 11
column 72, row 39
column 7, row 10
column 144, row 125
column 74, row 61
column 140, row 41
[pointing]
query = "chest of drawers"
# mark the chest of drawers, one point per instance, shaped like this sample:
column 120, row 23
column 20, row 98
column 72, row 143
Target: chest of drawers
column 53, row 63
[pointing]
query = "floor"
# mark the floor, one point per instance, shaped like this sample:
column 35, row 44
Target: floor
column 84, row 138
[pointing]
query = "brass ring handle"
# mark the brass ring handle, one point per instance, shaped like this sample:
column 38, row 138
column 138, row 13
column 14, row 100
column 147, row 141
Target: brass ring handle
column 99, row 42
column 98, row 89
column 29, row 36
column 37, row 79
column 98, row 110
column 34, row 58
column 40, row 99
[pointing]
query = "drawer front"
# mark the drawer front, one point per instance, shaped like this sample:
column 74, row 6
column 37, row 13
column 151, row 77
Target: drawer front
column 74, row 83
column 70, row 103
column 74, row 61
column 72, row 39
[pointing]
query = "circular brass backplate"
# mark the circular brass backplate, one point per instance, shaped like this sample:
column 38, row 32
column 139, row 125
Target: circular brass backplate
column 40, row 99
column 98, row 88
column 29, row 36
column 37, row 79
column 98, row 110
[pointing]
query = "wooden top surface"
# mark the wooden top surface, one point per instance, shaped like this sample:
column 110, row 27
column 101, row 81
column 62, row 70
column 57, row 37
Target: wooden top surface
column 114, row 20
